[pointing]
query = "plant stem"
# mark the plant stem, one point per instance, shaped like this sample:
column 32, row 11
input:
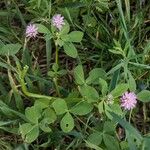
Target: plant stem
column 25, row 44
column 92, row 129
column 130, row 115
column 56, row 86
column 24, row 88
column 145, row 116
column 144, row 112
column 56, row 55
column 55, row 79
column 24, row 48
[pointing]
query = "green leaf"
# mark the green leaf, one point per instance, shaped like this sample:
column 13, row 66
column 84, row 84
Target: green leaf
column 140, row 65
column 3, row 123
column 60, row 106
column 10, row 112
column 65, row 29
column 115, row 68
column 124, row 145
column 144, row 96
column 49, row 115
column 114, row 79
column 18, row 99
column 67, row 123
column 109, row 127
column 101, row 107
column 82, row 108
column 44, row 126
column 120, row 89
column 73, row 5
column 42, row 29
column 113, row 108
column 70, row 50
column 32, row 114
column 92, row 146
column 75, row 36
column 40, row 104
column 62, row 72
column 90, row 21
column 11, row 130
column 127, row 126
column 29, row 132
column 79, row 75
column 116, row 109
column 104, row 86
column 95, row 138
column 116, row 51
column 107, row 111
column 1, row 44
column 52, row 74
column 89, row 93
column 102, row 5
column 55, row 67
column 59, row 42
column 131, row 142
column 39, row 3
column 10, row 49
column 65, row 38
column 146, row 143
column 95, row 74
column 132, row 83
column 24, row 129
column 110, row 142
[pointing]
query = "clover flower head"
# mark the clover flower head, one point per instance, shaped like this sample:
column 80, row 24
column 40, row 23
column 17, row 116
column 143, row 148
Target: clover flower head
column 31, row 30
column 58, row 21
column 128, row 100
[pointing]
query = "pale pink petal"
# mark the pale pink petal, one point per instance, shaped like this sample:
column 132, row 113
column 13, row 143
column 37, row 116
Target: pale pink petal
column 128, row 100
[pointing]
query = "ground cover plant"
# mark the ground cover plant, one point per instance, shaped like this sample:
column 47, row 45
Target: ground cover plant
column 74, row 74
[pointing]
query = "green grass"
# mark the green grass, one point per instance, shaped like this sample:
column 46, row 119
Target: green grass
column 115, row 48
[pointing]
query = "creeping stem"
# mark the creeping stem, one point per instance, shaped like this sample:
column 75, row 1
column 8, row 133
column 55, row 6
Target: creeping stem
column 24, row 88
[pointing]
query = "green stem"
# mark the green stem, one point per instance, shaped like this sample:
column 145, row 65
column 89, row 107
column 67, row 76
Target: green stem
column 25, row 91
column 55, row 79
column 49, row 12
column 130, row 115
column 56, row 55
column 56, row 86
column 92, row 129
column 144, row 112
column 25, row 44
column 24, row 48
column 24, row 88
column 145, row 116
